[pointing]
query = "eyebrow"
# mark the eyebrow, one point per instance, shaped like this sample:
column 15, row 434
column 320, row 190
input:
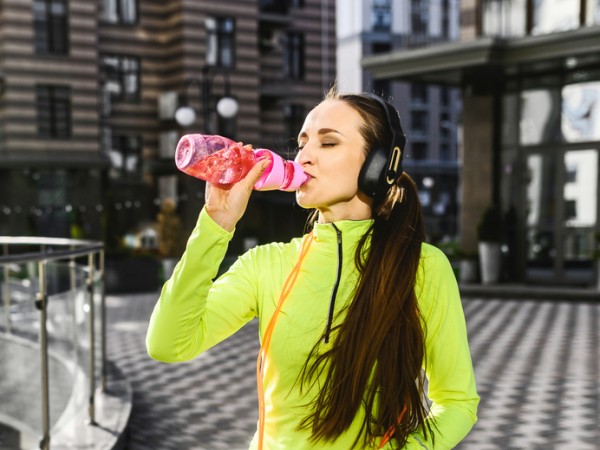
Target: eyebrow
column 321, row 132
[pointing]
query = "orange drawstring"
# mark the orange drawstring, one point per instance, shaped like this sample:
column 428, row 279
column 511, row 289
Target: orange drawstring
column 262, row 354
column 390, row 432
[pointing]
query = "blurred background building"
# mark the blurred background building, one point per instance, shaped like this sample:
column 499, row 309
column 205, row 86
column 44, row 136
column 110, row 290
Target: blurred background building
column 498, row 100
column 89, row 92
column 529, row 74
column 430, row 114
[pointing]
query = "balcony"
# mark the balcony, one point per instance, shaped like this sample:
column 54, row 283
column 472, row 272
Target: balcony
column 55, row 385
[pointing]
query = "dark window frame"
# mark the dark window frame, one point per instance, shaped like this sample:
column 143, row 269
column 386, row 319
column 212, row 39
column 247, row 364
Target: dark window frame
column 120, row 143
column 119, row 15
column 54, row 111
column 118, row 74
column 294, row 55
column 51, row 28
column 223, row 33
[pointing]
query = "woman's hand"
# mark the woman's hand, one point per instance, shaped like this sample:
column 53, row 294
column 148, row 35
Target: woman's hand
column 227, row 206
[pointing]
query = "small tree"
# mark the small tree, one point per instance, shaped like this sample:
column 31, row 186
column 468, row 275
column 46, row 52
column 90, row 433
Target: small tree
column 170, row 230
column 491, row 226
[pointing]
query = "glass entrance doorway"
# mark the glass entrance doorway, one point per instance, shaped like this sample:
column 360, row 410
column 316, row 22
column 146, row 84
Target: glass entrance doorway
column 561, row 212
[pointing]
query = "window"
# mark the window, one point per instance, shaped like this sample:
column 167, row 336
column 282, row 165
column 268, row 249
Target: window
column 220, row 50
column 125, row 157
column 419, row 94
column 420, row 122
column 540, row 116
column 381, row 47
column 550, row 16
column 121, row 76
column 446, row 19
column 504, row 17
column 382, row 87
column 294, row 119
column 122, row 12
column 294, row 56
column 50, row 24
column 53, row 105
column 580, row 115
column 381, row 19
column 419, row 17
column 419, row 151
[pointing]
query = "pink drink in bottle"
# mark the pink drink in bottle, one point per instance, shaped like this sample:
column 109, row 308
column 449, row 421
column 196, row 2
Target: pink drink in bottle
column 221, row 161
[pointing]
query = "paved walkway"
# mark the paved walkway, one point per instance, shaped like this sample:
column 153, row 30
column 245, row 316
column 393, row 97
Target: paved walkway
column 536, row 362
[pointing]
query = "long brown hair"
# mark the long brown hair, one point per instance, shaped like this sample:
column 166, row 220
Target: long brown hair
column 379, row 347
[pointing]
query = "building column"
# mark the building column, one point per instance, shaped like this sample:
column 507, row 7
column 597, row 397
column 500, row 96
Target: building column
column 476, row 154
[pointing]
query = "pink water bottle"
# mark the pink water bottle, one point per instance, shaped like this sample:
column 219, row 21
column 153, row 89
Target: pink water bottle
column 221, row 161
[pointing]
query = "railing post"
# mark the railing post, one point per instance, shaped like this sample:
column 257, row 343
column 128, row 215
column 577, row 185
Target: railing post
column 92, row 343
column 103, row 320
column 41, row 304
column 6, row 290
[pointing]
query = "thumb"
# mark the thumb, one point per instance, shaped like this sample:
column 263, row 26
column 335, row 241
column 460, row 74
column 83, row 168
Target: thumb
column 255, row 173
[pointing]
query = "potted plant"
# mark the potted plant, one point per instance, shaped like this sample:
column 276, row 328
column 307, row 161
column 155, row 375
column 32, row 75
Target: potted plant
column 468, row 266
column 490, row 234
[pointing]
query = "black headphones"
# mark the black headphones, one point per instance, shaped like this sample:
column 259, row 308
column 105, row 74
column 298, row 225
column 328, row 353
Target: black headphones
column 383, row 165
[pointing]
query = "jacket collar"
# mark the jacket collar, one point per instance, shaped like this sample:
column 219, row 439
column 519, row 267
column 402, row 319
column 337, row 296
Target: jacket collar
column 351, row 230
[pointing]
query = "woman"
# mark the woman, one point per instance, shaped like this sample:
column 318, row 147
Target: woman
column 352, row 316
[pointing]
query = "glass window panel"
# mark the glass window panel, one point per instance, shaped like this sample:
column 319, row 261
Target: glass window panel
column 381, row 18
column 581, row 112
column 540, row 116
column 503, row 17
column 58, row 8
column 580, row 188
column 550, row 16
column 109, row 11
column 129, row 11
column 578, row 244
column 541, row 248
column 540, row 190
column 593, row 12
column 510, row 115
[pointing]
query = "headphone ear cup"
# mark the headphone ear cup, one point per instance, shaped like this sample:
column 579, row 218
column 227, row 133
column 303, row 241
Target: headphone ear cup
column 372, row 177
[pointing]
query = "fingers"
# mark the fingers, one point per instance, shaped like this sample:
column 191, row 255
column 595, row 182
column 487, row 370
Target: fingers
column 255, row 173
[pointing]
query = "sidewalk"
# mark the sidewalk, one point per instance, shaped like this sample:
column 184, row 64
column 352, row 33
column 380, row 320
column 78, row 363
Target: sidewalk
column 530, row 292
column 536, row 362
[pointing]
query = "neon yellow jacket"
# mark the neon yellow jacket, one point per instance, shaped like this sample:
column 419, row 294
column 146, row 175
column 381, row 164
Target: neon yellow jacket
column 193, row 314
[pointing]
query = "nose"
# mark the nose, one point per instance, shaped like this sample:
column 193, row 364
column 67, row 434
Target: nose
column 304, row 156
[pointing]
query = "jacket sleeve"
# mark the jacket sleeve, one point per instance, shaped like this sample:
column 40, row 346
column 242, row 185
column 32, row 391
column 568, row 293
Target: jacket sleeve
column 451, row 381
column 193, row 313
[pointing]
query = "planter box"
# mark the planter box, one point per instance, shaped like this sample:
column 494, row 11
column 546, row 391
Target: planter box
column 490, row 262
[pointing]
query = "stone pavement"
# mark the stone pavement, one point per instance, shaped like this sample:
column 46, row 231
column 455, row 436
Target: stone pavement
column 536, row 362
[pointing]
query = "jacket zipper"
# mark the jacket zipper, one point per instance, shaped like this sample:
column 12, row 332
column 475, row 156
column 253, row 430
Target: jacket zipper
column 336, row 284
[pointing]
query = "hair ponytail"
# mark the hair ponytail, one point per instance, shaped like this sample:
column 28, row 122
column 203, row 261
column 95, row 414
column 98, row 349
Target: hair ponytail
column 379, row 348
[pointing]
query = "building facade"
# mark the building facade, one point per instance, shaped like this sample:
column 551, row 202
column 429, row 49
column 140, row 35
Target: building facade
column 89, row 91
column 529, row 74
column 429, row 113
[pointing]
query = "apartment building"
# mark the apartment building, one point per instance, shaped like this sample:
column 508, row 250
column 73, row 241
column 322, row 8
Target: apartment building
column 529, row 74
column 89, row 91
column 430, row 114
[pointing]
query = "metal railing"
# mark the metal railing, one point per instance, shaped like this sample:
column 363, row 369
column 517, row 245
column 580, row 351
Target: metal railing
column 63, row 278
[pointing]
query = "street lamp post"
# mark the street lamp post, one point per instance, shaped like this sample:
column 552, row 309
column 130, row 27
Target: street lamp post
column 227, row 106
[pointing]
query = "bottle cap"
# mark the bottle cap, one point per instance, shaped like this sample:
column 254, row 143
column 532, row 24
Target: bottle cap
column 188, row 146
